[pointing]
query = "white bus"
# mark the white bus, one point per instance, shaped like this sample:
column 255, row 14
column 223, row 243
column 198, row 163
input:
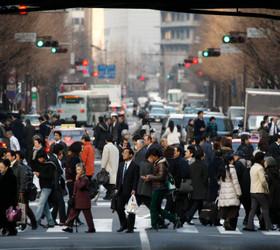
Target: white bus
column 86, row 105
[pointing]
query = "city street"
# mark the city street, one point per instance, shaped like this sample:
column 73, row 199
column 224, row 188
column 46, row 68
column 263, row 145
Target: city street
column 106, row 223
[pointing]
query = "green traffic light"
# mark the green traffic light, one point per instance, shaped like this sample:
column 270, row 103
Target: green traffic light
column 205, row 53
column 40, row 43
column 53, row 50
column 226, row 39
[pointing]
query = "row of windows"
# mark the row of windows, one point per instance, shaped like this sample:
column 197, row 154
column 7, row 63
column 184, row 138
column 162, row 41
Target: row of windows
column 168, row 17
column 176, row 34
column 174, row 48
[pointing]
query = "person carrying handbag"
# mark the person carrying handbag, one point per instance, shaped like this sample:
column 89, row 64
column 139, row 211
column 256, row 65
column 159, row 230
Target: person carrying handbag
column 8, row 181
column 80, row 201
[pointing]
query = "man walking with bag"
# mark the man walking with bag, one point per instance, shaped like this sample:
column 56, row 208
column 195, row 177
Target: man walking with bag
column 127, row 179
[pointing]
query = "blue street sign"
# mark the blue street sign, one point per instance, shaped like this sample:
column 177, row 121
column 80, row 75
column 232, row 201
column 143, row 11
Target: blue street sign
column 101, row 71
column 111, row 71
column 106, row 71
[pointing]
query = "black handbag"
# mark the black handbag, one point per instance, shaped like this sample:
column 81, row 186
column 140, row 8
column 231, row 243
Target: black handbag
column 186, row 186
column 103, row 177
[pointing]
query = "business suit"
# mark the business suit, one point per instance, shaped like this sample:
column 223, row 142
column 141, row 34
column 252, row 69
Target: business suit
column 274, row 151
column 126, row 182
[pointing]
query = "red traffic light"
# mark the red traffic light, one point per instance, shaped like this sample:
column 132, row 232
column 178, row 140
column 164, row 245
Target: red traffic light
column 95, row 74
column 22, row 9
column 85, row 62
column 195, row 60
column 187, row 65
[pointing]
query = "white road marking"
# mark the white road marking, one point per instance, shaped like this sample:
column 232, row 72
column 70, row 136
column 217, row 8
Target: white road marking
column 142, row 223
column 45, row 238
column 103, row 204
column 103, row 225
column 144, row 240
column 223, row 231
column 187, row 229
column 271, row 233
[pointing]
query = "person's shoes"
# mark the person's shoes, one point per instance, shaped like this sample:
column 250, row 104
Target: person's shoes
column 177, row 224
column 249, row 229
column 23, row 227
column 68, row 230
column 43, row 226
column 12, row 233
column 4, row 231
column 121, row 229
column 129, row 231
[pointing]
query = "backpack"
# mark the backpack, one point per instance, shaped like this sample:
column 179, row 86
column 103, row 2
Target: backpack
column 31, row 189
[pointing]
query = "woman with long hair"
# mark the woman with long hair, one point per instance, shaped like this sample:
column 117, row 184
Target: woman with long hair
column 172, row 134
column 229, row 193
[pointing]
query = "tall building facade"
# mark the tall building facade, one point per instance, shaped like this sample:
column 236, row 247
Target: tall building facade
column 131, row 40
column 178, row 34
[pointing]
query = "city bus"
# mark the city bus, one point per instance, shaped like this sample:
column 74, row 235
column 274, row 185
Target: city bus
column 85, row 104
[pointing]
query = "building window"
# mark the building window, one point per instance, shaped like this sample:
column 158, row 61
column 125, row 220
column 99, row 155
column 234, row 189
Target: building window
column 167, row 35
column 78, row 21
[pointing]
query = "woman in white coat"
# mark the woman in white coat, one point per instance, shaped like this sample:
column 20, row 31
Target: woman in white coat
column 230, row 191
column 110, row 162
column 172, row 134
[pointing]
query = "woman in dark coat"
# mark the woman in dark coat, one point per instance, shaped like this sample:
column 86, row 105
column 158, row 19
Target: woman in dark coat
column 101, row 132
column 8, row 182
column 199, row 177
column 81, row 200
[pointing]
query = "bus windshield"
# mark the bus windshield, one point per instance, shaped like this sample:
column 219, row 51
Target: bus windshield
column 98, row 104
column 70, row 99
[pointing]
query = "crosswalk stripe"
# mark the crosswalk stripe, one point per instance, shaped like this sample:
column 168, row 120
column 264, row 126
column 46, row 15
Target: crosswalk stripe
column 103, row 225
column 223, row 231
column 187, row 229
column 142, row 223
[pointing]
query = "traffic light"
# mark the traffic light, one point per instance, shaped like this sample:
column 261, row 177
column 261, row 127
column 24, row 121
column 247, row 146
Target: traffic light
column 22, row 9
column 211, row 52
column 46, row 41
column 55, row 50
column 85, row 62
column 235, row 37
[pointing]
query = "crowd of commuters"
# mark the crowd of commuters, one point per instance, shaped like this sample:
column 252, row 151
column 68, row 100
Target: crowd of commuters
column 138, row 164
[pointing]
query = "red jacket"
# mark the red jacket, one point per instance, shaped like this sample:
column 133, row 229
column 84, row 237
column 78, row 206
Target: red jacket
column 87, row 156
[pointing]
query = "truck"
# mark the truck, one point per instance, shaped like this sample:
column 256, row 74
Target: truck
column 258, row 103
column 195, row 99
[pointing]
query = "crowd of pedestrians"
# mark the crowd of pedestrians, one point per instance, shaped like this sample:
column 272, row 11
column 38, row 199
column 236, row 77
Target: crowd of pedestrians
column 192, row 171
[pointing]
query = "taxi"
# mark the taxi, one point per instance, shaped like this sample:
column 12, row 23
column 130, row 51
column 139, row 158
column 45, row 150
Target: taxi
column 69, row 134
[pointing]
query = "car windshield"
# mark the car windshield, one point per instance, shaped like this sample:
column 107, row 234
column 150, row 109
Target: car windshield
column 237, row 113
column 157, row 111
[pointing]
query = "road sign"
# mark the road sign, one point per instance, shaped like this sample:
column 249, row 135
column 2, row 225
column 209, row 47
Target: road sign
column 229, row 49
column 101, row 71
column 106, row 71
column 255, row 32
column 26, row 37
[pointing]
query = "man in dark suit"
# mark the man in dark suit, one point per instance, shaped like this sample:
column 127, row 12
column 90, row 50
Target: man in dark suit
column 127, row 179
column 274, row 149
column 56, row 197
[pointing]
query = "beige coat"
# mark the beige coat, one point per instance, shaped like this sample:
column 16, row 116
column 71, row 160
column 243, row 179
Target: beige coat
column 258, row 181
column 110, row 161
column 229, row 189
